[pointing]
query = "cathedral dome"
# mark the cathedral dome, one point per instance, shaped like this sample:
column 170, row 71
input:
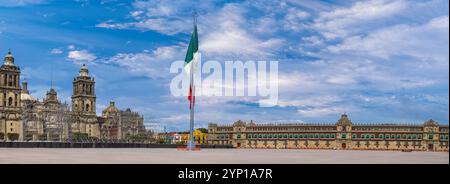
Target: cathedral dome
column 84, row 71
column 111, row 109
column 9, row 58
column 25, row 96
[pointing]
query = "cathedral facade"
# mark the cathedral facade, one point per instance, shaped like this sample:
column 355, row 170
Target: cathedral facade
column 24, row 118
column 429, row 136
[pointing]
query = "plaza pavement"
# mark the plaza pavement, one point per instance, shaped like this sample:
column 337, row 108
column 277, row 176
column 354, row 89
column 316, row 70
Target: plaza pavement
column 213, row 156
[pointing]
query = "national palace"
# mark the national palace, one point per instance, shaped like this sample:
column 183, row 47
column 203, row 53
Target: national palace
column 429, row 136
column 25, row 118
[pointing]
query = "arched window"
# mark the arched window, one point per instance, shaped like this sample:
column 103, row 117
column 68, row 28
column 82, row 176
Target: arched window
column 322, row 136
column 285, row 136
column 306, row 136
column 87, row 107
column 332, row 136
column 328, row 135
column 301, row 136
column 296, row 136
column 354, row 136
column 380, row 136
column 274, row 135
column 270, row 135
column 290, row 136
column 10, row 101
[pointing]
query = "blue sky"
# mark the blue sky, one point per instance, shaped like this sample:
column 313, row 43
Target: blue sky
column 378, row 60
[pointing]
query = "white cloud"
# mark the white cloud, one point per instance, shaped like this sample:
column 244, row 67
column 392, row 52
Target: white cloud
column 81, row 56
column 343, row 21
column 293, row 19
column 425, row 41
column 56, row 51
column 71, row 47
column 227, row 35
column 156, row 24
column 15, row 3
column 151, row 64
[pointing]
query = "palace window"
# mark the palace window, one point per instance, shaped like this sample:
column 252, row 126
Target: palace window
column 239, row 136
column 260, row 136
column 392, row 136
column 328, row 136
column 249, row 136
column 404, row 136
column 306, row 136
column 270, row 136
column 311, row 136
column 322, row 136
column 10, row 101
column 301, row 136
column 344, row 136
column 274, row 135
column 280, row 135
column 380, row 136
column 387, row 136
column 285, row 136
column 354, row 136
column 332, row 136
column 265, row 135
column 296, row 136
column 290, row 136
column 399, row 136
column 317, row 136
column 372, row 136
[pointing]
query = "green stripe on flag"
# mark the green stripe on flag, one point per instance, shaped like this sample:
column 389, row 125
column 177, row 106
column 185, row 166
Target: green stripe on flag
column 193, row 47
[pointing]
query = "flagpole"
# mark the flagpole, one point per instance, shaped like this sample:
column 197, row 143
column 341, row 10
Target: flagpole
column 191, row 145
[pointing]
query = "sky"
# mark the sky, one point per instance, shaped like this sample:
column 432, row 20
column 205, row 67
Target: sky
column 379, row 61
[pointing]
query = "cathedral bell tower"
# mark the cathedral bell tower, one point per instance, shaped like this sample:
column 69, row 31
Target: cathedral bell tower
column 10, row 107
column 83, row 98
column 83, row 103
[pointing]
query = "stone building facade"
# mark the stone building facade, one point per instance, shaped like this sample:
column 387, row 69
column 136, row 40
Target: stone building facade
column 11, row 111
column 24, row 118
column 343, row 134
column 119, row 124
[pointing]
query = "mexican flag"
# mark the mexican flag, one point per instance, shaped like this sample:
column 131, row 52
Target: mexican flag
column 189, row 64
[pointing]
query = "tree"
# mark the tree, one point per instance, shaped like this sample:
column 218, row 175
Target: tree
column 13, row 136
column 77, row 136
column 203, row 130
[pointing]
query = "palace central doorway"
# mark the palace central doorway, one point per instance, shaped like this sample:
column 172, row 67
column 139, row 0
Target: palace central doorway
column 344, row 146
column 430, row 147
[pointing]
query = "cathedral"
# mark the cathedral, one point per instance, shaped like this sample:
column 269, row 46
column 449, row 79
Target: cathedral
column 25, row 118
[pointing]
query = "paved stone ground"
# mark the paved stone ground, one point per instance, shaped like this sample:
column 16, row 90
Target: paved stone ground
column 213, row 156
